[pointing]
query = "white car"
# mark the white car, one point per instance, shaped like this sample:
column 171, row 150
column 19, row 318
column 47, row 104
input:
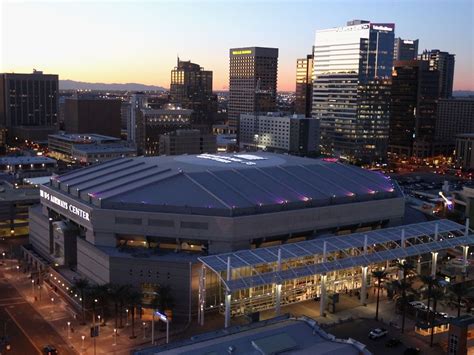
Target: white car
column 418, row 305
column 378, row 333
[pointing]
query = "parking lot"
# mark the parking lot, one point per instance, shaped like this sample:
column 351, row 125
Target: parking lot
column 359, row 330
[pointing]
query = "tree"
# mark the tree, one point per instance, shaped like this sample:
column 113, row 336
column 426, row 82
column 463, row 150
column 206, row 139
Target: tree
column 81, row 286
column 458, row 291
column 116, row 294
column 404, row 286
column 380, row 275
column 133, row 299
column 165, row 297
column 438, row 295
column 430, row 282
column 101, row 294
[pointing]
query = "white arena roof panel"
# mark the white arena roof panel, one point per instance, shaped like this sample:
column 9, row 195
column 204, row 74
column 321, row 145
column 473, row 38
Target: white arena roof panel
column 223, row 184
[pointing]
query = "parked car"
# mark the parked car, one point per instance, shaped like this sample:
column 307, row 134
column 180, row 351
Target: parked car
column 418, row 305
column 378, row 333
column 412, row 351
column 393, row 343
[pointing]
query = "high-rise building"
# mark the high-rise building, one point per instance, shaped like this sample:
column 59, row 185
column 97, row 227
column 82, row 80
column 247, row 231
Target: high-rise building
column 191, row 88
column 278, row 132
column 444, row 63
column 405, row 49
column 304, row 85
column 187, row 141
column 351, row 90
column 413, row 108
column 252, row 81
column 29, row 105
column 93, row 115
column 455, row 116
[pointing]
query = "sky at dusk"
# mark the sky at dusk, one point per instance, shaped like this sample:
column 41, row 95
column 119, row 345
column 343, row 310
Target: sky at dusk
column 138, row 41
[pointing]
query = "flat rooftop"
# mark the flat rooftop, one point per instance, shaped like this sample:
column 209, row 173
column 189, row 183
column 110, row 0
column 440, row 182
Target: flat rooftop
column 83, row 137
column 104, row 148
column 274, row 336
column 223, row 184
column 26, row 160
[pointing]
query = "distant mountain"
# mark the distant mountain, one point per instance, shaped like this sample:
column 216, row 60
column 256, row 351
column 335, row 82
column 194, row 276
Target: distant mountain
column 79, row 85
column 463, row 93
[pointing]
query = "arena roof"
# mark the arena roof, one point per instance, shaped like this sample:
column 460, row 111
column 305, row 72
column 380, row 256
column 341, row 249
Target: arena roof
column 223, row 184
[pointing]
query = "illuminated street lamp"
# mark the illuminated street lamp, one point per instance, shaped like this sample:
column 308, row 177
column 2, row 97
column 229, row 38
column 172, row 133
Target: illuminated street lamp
column 69, row 330
column 115, row 337
column 83, row 337
column 126, row 310
column 33, row 287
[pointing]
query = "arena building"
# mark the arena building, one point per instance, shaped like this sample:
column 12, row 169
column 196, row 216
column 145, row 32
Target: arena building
column 147, row 220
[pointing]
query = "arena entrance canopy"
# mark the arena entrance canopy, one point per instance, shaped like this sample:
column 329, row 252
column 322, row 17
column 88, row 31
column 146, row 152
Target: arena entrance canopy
column 240, row 272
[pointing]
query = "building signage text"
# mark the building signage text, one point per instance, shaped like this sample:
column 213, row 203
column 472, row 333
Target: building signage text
column 243, row 51
column 63, row 204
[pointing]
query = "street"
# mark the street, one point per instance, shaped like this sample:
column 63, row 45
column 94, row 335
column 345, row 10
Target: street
column 27, row 331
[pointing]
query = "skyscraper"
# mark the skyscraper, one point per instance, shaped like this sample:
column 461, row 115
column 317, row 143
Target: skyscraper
column 191, row 88
column 405, row 49
column 444, row 63
column 29, row 105
column 413, row 110
column 252, row 81
column 352, row 68
column 304, row 85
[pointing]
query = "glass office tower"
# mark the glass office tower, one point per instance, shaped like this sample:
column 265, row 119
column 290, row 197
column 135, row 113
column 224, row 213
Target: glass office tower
column 352, row 68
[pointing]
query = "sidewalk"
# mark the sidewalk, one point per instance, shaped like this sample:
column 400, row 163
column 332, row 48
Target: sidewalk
column 52, row 308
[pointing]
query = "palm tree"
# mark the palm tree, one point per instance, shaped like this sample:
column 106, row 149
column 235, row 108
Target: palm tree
column 404, row 286
column 101, row 294
column 81, row 286
column 438, row 295
column 429, row 281
column 125, row 289
column 166, row 300
column 115, row 292
column 458, row 291
column 379, row 275
column 133, row 299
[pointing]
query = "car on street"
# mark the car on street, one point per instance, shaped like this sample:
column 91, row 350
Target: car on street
column 378, row 333
column 412, row 351
column 418, row 305
column 393, row 343
column 442, row 314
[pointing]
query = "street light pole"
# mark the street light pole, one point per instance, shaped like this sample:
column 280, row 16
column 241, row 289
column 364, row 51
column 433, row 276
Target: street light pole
column 83, row 337
column 144, row 330
column 115, row 337
column 153, row 327
column 69, row 330
column 33, row 288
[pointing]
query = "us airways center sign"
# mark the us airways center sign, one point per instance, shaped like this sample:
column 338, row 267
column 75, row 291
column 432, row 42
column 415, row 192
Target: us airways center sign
column 65, row 205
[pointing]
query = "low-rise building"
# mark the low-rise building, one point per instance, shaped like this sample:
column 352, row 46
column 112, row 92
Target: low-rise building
column 23, row 167
column 88, row 148
column 187, row 141
column 276, row 132
column 14, row 203
column 273, row 336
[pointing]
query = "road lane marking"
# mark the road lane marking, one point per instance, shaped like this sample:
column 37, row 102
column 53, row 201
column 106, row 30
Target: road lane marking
column 23, row 330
